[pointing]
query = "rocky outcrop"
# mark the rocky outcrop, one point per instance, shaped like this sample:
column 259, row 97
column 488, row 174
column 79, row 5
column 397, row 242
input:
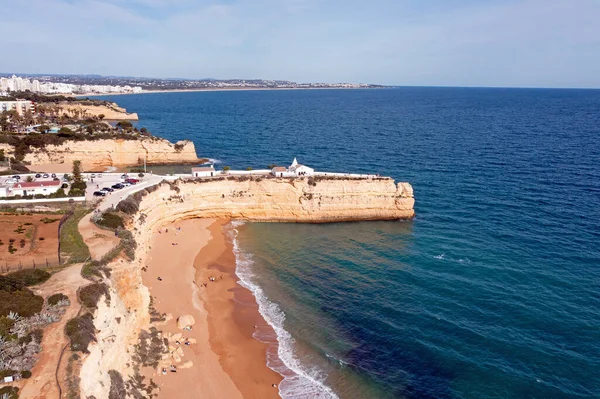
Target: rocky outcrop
column 313, row 200
column 111, row 111
column 98, row 154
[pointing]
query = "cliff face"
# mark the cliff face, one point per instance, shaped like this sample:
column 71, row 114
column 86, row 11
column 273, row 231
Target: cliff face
column 282, row 200
column 99, row 154
column 110, row 112
column 266, row 199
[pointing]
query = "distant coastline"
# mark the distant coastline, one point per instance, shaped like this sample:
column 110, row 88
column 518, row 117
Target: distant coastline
column 231, row 89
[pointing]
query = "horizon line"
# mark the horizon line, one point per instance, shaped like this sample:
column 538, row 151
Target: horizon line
column 314, row 82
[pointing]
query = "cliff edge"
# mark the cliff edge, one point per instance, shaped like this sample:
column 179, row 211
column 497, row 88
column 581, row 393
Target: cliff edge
column 308, row 199
column 96, row 155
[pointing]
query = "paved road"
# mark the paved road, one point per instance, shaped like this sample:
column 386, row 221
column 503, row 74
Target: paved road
column 112, row 199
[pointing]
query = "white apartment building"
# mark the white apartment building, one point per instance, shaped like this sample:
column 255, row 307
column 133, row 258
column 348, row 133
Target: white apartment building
column 21, row 106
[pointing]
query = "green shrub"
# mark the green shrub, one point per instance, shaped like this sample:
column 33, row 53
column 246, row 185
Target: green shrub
column 91, row 294
column 127, row 242
column 25, row 374
column 56, row 298
column 35, row 335
column 111, row 220
column 117, row 385
column 91, row 269
column 23, row 302
column 30, row 277
column 5, row 325
column 10, row 284
column 49, row 220
column 9, row 392
column 8, row 373
column 128, row 206
column 81, row 332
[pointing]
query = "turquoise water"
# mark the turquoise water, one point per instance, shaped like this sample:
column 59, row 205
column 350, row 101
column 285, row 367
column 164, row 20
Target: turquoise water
column 493, row 291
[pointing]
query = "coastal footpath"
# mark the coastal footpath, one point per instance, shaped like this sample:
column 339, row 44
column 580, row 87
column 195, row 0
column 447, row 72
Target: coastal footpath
column 265, row 199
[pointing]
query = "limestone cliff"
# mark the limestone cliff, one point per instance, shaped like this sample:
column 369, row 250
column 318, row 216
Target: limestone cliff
column 99, row 154
column 282, row 199
column 313, row 200
column 111, row 111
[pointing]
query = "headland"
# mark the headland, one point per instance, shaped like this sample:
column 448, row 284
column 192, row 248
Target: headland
column 161, row 311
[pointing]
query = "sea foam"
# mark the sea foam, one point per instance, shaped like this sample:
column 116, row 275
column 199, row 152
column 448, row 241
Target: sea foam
column 300, row 380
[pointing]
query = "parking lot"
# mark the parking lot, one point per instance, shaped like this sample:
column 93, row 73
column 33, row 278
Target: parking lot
column 97, row 183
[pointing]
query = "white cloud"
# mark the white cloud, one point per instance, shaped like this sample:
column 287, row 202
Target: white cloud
column 504, row 42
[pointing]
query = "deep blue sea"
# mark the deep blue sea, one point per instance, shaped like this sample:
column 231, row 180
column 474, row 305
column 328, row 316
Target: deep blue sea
column 492, row 291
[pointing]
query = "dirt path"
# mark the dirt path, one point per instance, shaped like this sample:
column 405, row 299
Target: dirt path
column 99, row 241
column 43, row 383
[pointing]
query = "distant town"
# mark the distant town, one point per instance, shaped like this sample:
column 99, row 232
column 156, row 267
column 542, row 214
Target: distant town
column 95, row 84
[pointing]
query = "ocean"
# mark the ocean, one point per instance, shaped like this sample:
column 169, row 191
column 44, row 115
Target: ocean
column 492, row 291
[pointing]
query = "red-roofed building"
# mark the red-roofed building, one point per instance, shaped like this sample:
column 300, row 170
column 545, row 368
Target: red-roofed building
column 33, row 188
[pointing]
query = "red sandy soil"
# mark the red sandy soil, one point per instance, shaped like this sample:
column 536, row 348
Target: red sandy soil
column 42, row 384
column 37, row 251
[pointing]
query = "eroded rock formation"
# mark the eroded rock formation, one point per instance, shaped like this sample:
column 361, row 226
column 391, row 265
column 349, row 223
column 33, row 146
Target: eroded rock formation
column 259, row 199
column 99, row 154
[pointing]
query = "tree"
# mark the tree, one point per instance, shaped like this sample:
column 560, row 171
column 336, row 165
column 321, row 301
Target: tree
column 65, row 131
column 271, row 166
column 249, row 168
column 125, row 125
column 42, row 128
column 77, row 170
column 29, row 179
column 2, row 157
column 4, row 124
column 101, row 116
column 226, row 168
column 28, row 118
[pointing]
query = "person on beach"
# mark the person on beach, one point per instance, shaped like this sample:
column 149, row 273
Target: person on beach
column 159, row 278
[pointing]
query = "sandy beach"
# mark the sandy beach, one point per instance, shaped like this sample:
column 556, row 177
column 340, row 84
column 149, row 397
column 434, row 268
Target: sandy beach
column 227, row 362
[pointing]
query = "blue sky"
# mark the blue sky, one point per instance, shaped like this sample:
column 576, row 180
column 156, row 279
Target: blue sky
column 518, row 43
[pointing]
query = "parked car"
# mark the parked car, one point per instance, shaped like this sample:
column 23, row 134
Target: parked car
column 132, row 181
column 17, row 177
column 117, row 186
column 107, row 189
column 37, row 175
column 124, row 176
column 93, row 175
column 10, row 181
column 45, row 175
column 99, row 193
column 53, row 175
column 125, row 184
column 99, row 175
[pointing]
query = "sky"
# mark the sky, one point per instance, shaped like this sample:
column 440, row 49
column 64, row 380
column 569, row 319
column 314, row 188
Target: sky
column 512, row 43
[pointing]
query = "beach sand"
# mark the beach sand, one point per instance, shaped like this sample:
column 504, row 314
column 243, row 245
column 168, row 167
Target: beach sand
column 227, row 361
